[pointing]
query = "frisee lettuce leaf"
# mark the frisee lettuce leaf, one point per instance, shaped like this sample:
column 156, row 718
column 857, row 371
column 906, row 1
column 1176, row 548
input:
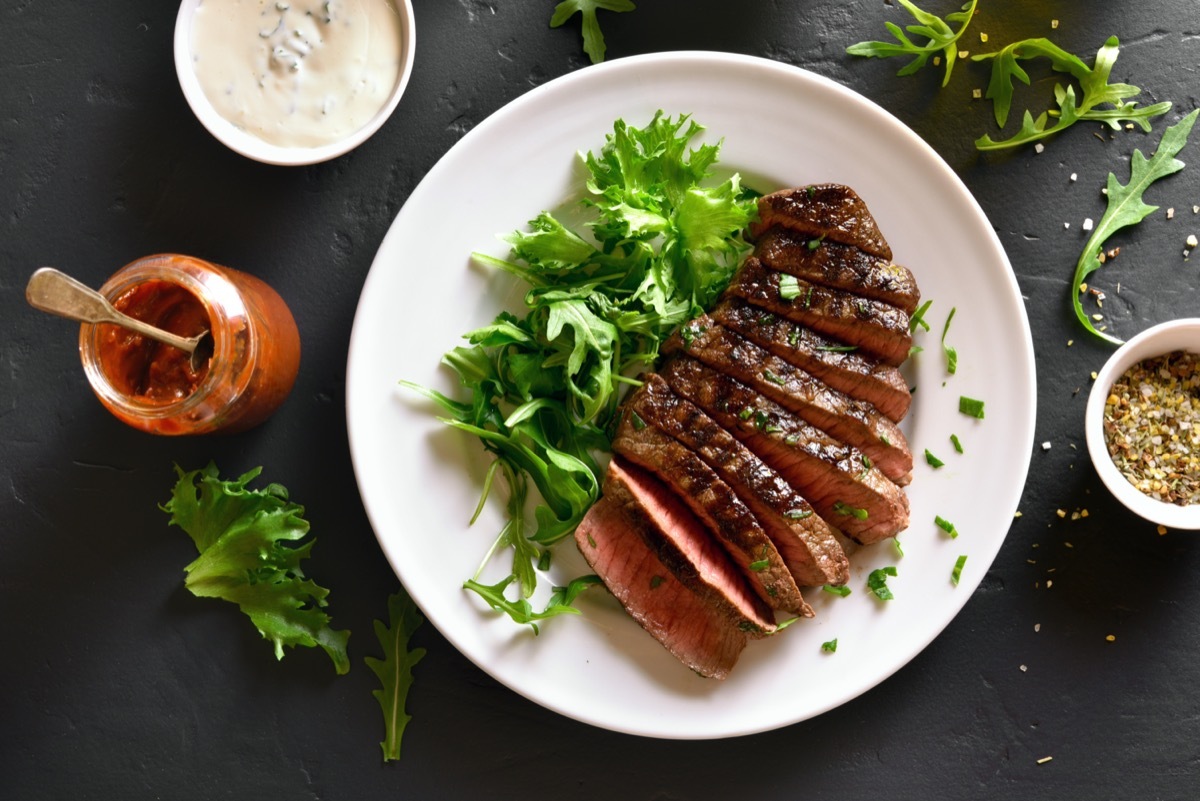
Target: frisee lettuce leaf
column 1126, row 207
column 250, row 555
column 541, row 390
column 395, row 669
column 1100, row 101
column 593, row 38
column 942, row 39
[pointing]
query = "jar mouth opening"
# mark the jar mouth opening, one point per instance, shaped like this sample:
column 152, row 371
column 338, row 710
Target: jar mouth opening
column 221, row 303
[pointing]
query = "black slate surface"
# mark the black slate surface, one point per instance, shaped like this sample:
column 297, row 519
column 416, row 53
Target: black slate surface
column 117, row 683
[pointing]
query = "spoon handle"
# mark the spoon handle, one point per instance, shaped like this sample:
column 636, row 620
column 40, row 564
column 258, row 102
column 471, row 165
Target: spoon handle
column 56, row 292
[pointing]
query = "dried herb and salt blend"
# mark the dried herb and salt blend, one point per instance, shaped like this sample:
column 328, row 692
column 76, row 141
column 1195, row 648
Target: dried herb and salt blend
column 1152, row 427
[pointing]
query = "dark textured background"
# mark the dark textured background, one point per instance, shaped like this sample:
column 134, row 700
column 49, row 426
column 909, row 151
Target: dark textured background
column 116, row 683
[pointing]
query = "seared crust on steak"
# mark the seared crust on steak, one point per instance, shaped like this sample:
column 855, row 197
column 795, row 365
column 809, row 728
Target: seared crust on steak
column 718, row 506
column 838, row 266
column 808, row 547
column 875, row 327
column 829, row 211
column 858, row 375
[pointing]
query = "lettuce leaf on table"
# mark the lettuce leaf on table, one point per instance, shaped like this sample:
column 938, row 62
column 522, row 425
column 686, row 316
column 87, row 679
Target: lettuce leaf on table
column 249, row 555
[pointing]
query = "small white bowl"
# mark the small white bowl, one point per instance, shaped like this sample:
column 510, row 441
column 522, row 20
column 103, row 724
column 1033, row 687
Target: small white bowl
column 251, row 146
column 1157, row 341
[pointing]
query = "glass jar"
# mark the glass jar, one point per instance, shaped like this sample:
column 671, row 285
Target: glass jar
column 154, row 387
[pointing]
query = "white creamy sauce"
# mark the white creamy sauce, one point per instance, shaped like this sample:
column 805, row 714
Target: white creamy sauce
column 297, row 73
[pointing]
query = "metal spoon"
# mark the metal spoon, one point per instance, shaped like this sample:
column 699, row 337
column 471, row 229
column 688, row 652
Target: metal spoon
column 52, row 291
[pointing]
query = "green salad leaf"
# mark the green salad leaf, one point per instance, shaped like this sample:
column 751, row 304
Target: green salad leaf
column 661, row 241
column 1100, row 100
column 941, row 39
column 593, row 39
column 395, row 669
column 1126, row 207
column 250, row 555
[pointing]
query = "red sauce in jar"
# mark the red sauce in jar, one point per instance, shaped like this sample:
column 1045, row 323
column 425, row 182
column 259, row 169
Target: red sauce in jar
column 151, row 371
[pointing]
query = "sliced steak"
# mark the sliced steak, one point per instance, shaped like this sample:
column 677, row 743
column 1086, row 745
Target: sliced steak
column 804, row 540
column 873, row 326
column 858, row 375
column 615, row 538
column 829, row 211
column 856, row 423
column 718, row 506
column 835, row 478
column 839, row 266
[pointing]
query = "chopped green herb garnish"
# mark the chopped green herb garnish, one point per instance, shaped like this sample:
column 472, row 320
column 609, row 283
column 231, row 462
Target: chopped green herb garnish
column 946, row 526
column 760, row 565
column 839, row 590
column 792, row 439
column 638, row 422
column 763, row 423
column 813, row 244
column 845, row 510
column 837, row 348
column 957, row 445
column 767, row 319
column 951, row 353
column 933, row 460
column 956, row 573
column 970, row 407
column 774, row 379
column 914, row 350
column 829, row 647
column 746, row 413
column 656, row 582
column 689, row 333
column 897, row 546
column 877, row 583
column 918, row 317
column 783, row 624
column 793, row 337
column 798, row 514
column 884, row 439
column 808, row 298
column 789, row 287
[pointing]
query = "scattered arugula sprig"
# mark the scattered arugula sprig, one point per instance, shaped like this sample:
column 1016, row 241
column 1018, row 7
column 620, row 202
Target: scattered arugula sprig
column 395, row 669
column 543, row 388
column 593, row 38
column 243, row 537
column 1126, row 207
column 1100, row 101
column 942, row 39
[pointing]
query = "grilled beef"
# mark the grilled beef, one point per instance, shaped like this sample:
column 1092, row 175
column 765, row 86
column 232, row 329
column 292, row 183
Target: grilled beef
column 823, row 211
column 717, row 505
column 856, row 423
column 859, row 376
column 839, row 266
column 626, row 544
column 873, row 326
column 835, row 478
column 804, row 540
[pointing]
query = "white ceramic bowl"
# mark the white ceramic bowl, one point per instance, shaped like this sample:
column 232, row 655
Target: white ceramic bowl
column 251, row 146
column 1157, row 341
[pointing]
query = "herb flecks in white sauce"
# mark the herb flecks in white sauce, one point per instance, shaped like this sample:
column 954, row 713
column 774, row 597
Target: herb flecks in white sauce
column 297, row 73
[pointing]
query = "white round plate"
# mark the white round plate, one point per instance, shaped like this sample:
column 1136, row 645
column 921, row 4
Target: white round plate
column 420, row 481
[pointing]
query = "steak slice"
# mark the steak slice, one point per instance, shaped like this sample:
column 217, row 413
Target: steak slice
column 859, row 376
column 856, row 423
column 715, row 503
column 873, row 326
column 808, row 547
column 615, row 537
column 827, row 211
column 834, row 477
column 839, row 266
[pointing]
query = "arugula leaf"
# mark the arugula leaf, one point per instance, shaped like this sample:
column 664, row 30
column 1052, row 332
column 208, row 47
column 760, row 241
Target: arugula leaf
column 242, row 536
column 593, row 39
column 520, row 610
column 395, row 669
column 1093, row 81
column 1126, row 207
column 942, row 39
